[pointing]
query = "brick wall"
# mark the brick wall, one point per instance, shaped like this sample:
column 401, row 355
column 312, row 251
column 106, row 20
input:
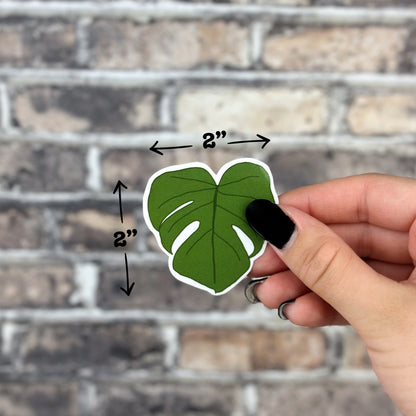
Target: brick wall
column 85, row 89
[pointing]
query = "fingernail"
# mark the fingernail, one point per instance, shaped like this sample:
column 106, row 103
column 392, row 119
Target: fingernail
column 250, row 290
column 268, row 220
column 281, row 309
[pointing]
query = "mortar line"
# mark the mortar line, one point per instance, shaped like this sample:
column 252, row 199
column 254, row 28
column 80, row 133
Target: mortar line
column 7, row 197
column 251, row 399
column 82, row 35
column 256, row 43
column 338, row 110
column 248, row 319
column 166, row 105
column 293, row 377
column 93, row 179
column 87, row 397
column 169, row 9
column 5, row 108
column 143, row 141
column 51, row 229
column 86, row 276
column 170, row 335
column 136, row 78
column 107, row 258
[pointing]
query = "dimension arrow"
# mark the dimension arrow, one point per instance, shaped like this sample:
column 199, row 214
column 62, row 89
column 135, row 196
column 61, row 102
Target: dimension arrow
column 118, row 188
column 129, row 288
column 156, row 149
column 263, row 140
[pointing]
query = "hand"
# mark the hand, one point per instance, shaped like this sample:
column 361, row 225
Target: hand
column 359, row 268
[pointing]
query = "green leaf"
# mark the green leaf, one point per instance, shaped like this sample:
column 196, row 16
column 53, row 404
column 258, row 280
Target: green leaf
column 216, row 246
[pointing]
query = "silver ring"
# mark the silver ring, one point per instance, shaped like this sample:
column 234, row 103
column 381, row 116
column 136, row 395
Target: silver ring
column 250, row 290
column 280, row 309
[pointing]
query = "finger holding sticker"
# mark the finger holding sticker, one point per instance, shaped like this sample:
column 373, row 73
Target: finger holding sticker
column 350, row 250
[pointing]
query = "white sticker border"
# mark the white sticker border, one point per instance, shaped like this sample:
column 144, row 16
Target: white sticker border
column 217, row 177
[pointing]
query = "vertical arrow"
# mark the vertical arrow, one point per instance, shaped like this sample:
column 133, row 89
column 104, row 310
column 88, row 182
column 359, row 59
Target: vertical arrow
column 118, row 188
column 129, row 288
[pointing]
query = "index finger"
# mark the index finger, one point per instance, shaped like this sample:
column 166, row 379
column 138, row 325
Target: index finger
column 382, row 200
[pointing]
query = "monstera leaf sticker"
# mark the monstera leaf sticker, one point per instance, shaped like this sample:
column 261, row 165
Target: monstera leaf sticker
column 198, row 219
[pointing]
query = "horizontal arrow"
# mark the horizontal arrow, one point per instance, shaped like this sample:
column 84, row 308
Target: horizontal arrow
column 263, row 140
column 157, row 150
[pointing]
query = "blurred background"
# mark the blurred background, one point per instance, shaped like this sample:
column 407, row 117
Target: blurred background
column 86, row 88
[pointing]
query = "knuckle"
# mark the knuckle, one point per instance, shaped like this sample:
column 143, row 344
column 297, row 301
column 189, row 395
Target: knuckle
column 320, row 264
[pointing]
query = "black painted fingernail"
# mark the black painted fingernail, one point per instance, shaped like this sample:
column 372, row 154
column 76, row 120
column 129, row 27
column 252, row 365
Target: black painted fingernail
column 250, row 290
column 281, row 309
column 268, row 220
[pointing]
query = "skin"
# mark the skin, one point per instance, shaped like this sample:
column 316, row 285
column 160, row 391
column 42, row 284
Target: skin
column 352, row 261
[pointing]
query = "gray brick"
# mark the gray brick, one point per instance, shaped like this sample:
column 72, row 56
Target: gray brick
column 39, row 399
column 296, row 349
column 35, row 43
column 21, row 228
column 408, row 60
column 81, row 109
column 118, row 346
column 292, row 169
column 361, row 400
column 35, row 285
column 299, row 110
column 132, row 167
column 185, row 44
column 217, row 157
column 6, row 359
column 156, row 289
column 41, row 168
column 234, row 300
column 332, row 48
column 382, row 114
column 294, row 400
column 167, row 400
column 93, row 229
column 225, row 349
column 1, row 112
column 321, row 399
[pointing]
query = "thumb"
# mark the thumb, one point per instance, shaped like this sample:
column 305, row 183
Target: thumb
column 328, row 266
